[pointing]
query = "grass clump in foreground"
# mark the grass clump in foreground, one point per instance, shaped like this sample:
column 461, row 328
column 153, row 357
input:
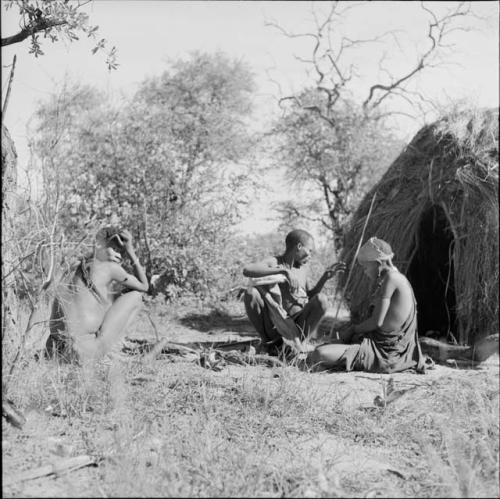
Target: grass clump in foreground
column 175, row 429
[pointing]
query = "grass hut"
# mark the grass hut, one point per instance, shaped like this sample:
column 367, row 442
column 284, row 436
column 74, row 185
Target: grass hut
column 437, row 205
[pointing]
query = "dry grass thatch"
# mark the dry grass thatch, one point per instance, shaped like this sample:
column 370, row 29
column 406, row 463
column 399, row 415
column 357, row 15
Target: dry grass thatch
column 442, row 191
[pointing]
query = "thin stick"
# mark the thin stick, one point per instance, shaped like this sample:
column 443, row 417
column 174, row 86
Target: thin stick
column 355, row 256
column 11, row 77
column 154, row 326
column 63, row 466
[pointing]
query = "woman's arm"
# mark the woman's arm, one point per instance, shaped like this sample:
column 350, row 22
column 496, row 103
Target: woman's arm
column 120, row 275
column 138, row 282
column 382, row 304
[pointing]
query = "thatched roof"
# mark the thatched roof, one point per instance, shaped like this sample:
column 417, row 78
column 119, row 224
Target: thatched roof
column 441, row 190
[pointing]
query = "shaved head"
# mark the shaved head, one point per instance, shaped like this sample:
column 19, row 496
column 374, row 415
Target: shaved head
column 297, row 236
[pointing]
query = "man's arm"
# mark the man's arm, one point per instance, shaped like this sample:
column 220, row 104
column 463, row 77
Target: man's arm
column 319, row 286
column 263, row 268
column 382, row 305
column 270, row 267
column 328, row 274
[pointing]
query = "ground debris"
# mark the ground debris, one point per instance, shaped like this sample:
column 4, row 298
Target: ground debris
column 12, row 414
column 62, row 466
column 212, row 355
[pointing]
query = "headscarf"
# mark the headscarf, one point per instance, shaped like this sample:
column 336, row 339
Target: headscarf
column 375, row 250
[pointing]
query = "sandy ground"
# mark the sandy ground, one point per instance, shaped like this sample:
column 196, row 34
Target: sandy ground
column 42, row 442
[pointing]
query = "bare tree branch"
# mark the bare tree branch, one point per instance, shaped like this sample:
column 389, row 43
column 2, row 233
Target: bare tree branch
column 290, row 210
column 331, row 159
column 272, row 24
column 436, row 33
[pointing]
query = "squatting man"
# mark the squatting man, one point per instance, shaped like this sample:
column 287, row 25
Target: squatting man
column 304, row 304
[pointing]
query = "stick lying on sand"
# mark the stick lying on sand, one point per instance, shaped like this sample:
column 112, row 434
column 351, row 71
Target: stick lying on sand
column 63, row 466
column 230, row 351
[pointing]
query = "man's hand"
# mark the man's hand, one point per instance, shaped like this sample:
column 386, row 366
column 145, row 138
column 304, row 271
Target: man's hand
column 292, row 279
column 334, row 269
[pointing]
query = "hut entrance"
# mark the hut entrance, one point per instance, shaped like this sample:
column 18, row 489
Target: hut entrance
column 431, row 274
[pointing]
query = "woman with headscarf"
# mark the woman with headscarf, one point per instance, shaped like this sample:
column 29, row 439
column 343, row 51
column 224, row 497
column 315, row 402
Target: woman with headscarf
column 389, row 338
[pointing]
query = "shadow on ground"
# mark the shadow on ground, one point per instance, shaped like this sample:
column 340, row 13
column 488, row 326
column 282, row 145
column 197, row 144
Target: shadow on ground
column 217, row 321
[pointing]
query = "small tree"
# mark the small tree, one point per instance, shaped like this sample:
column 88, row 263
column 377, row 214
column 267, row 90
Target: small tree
column 335, row 135
column 334, row 165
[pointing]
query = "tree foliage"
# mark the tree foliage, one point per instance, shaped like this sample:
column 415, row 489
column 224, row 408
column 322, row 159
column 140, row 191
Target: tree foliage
column 333, row 164
column 55, row 20
column 168, row 164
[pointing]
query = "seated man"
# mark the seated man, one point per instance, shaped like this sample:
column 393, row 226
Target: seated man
column 305, row 305
column 89, row 316
column 389, row 339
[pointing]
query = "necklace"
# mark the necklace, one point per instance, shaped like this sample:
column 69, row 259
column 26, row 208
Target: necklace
column 380, row 280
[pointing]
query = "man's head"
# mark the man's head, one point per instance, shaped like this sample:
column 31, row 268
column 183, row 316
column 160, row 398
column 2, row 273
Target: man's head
column 108, row 245
column 301, row 244
column 373, row 255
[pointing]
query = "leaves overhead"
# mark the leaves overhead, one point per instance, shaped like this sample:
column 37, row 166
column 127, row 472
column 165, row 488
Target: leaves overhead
column 55, row 20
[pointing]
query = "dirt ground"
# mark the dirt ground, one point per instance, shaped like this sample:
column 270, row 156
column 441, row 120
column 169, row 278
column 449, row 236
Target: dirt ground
column 344, row 463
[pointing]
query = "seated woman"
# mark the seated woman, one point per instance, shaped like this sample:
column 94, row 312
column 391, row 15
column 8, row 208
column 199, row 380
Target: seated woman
column 89, row 316
column 389, row 339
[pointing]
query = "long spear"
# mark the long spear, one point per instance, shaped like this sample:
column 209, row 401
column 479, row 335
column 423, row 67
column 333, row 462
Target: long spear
column 355, row 256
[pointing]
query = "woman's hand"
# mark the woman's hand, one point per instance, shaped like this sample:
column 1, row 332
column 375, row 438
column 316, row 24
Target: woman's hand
column 126, row 238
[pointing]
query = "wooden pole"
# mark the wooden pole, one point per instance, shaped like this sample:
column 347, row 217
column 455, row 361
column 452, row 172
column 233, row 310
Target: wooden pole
column 7, row 95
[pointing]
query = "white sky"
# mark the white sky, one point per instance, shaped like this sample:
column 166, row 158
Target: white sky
column 148, row 33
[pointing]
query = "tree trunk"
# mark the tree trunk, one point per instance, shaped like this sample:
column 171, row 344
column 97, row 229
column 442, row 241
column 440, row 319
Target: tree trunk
column 9, row 183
